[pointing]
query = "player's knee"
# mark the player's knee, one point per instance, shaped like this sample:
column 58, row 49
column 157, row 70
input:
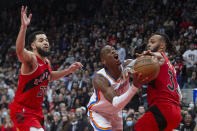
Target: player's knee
column 36, row 129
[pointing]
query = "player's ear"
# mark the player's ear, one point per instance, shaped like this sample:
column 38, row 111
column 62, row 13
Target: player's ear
column 103, row 61
column 33, row 46
column 163, row 46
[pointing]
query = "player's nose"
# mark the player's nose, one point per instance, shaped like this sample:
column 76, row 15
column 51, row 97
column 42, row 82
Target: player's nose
column 114, row 52
column 148, row 45
column 46, row 43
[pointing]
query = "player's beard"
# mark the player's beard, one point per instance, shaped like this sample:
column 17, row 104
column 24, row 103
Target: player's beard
column 156, row 49
column 42, row 52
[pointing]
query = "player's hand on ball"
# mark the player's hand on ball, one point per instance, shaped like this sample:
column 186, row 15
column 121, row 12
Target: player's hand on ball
column 148, row 52
column 138, row 79
column 25, row 21
column 156, row 56
column 126, row 73
column 77, row 65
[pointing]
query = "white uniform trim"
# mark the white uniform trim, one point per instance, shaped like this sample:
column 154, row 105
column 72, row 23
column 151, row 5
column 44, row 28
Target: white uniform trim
column 36, row 129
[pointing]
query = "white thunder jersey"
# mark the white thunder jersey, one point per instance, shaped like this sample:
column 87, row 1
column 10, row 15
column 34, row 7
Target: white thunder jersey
column 99, row 104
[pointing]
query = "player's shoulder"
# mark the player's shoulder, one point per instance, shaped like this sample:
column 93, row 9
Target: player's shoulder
column 33, row 56
column 30, row 52
column 101, row 71
column 47, row 60
column 99, row 81
column 99, row 75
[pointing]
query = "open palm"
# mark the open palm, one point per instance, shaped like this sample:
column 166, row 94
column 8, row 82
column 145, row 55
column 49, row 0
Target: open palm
column 25, row 21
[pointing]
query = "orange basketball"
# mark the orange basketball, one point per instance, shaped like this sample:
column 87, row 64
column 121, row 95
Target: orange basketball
column 148, row 66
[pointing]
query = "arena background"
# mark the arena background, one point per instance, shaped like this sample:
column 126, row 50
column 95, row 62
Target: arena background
column 76, row 30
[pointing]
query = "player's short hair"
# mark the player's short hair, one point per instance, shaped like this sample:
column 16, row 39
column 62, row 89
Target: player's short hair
column 103, row 51
column 169, row 46
column 32, row 36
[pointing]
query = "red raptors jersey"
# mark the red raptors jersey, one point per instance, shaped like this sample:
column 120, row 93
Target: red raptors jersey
column 32, row 87
column 165, row 87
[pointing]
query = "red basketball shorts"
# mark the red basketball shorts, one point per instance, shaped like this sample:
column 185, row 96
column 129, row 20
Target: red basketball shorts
column 23, row 121
column 161, row 116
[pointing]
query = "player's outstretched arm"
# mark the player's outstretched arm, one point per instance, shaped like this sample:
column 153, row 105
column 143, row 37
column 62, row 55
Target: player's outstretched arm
column 23, row 55
column 55, row 75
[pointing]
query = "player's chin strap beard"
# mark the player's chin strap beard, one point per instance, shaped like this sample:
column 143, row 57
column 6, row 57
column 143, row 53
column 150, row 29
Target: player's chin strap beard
column 156, row 49
column 42, row 52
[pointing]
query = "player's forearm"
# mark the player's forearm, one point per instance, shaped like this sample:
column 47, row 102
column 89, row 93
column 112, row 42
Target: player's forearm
column 55, row 75
column 122, row 100
column 20, row 42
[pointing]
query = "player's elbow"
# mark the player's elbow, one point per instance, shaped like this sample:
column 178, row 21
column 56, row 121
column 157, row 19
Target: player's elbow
column 20, row 54
column 118, row 107
column 117, row 104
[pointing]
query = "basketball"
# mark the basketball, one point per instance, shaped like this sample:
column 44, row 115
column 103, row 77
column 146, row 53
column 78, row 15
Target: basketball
column 148, row 66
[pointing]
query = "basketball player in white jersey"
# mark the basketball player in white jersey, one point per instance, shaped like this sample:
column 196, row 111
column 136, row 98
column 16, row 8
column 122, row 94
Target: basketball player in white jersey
column 111, row 92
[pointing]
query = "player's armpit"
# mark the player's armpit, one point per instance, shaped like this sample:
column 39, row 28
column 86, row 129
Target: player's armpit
column 102, row 84
column 25, row 56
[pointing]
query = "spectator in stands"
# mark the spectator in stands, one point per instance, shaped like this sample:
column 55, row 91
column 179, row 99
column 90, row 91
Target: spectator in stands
column 190, row 58
column 178, row 65
column 74, row 125
column 141, row 110
column 129, row 123
column 46, row 123
column 192, row 83
column 56, row 121
column 64, row 124
column 137, row 40
column 83, row 123
column 4, row 102
column 77, row 33
column 50, row 92
column 121, row 51
column 8, row 125
column 69, row 83
column 80, row 81
column 188, row 123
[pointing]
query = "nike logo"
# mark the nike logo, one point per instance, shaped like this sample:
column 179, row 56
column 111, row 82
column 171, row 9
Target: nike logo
column 41, row 64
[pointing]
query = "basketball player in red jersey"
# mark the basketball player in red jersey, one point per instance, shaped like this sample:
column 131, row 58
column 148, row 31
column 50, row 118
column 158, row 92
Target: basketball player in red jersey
column 163, row 93
column 35, row 74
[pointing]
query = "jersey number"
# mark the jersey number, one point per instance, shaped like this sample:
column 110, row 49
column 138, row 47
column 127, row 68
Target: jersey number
column 171, row 86
column 42, row 91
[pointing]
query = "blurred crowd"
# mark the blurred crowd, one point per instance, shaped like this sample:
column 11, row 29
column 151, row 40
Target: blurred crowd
column 76, row 31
